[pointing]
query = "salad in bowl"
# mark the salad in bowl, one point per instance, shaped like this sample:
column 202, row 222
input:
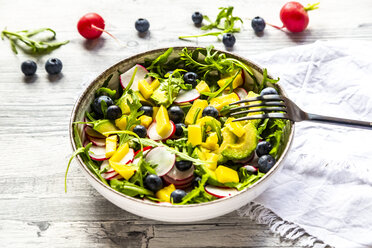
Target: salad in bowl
column 155, row 130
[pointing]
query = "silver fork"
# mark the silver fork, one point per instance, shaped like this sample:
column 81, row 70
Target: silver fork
column 280, row 107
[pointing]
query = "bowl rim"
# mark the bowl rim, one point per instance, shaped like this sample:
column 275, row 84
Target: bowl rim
column 101, row 77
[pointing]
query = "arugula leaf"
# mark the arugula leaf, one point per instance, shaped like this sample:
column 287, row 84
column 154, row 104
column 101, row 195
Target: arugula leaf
column 157, row 64
column 103, row 90
column 265, row 79
column 129, row 188
column 246, row 179
column 198, row 194
column 274, row 133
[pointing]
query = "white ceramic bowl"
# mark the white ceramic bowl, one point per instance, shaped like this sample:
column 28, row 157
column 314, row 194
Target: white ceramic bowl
column 167, row 212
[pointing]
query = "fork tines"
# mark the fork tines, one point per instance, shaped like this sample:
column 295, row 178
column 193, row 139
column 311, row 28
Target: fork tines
column 266, row 104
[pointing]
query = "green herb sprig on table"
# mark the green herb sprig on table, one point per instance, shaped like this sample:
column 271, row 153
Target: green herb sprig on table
column 225, row 22
column 36, row 47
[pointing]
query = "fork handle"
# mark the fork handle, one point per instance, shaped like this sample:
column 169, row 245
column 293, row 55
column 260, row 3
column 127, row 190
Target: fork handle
column 340, row 121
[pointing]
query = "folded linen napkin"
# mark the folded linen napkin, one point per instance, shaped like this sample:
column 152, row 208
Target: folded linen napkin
column 323, row 195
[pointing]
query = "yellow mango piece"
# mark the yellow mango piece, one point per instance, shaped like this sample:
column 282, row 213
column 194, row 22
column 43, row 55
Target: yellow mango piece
column 236, row 128
column 198, row 104
column 155, row 111
column 202, row 87
column 236, row 83
column 145, row 120
column 120, row 153
column 125, row 171
column 155, row 84
column 163, row 125
column 121, row 122
column 212, row 159
column 194, row 135
column 226, row 175
column 145, row 89
column 164, row 193
column 111, row 143
column 201, row 154
column 211, row 142
column 221, row 101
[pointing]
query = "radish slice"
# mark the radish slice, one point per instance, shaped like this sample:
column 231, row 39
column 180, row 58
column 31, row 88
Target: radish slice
column 187, row 96
column 140, row 75
column 242, row 93
column 128, row 158
column 93, row 133
column 97, row 153
column 220, row 192
column 97, row 141
column 178, row 175
column 178, row 183
column 152, row 134
column 145, row 150
column 162, row 158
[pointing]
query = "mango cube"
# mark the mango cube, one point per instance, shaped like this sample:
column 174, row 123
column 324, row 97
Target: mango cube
column 194, row 135
column 155, row 84
column 145, row 120
column 211, row 142
column 111, row 143
column 120, row 153
column 221, row 101
column 163, row 125
column 212, row 161
column 121, row 122
column 164, row 193
column 155, row 111
column 236, row 128
column 202, row 87
column 125, row 171
column 226, row 175
column 235, row 84
column 198, row 104
column 145, row 89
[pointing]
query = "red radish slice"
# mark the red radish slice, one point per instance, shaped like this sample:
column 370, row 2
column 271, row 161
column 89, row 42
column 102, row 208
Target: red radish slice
column 140, row 74
column 145, row 150
column 176, row 183
column 187, row 96
column 162, row 158
column 220, row 192
column 242, row 93
column 97, row 153
column 178, row 175
column 152, row 134
column 128, row 158
column 93, row 133
column 97, row 141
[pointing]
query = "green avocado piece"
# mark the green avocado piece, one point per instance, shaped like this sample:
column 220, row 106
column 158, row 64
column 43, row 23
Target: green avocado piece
column 103, row 126
column 234, row 148
column 159, row 97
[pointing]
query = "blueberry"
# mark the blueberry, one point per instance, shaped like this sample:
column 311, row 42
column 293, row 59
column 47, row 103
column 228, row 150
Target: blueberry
column 97, row 104
column 195, row 182
column 265, row 163
column 53, row 66
column 176, row 114
column 177, row 195
column 269, row 91
column 29, row 67
column 153, row 182
column 210, row 111
column 179, row 129
column 263, row 148
column 140, row 130
column 113, row 112
column 147, row 110
column 190, row 78
column 142, row 25
column 258, row 24
column 228, row 40
column 251, row 169
column 197, row 18
column 183, row 165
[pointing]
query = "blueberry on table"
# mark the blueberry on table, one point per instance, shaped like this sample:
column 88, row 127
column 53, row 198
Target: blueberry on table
column 29, row 67
column 210, row 111
column 140, row 130
column 258, row 24
column 197, row 18
column 113, row 112
column 97, row 104
column 153, row 182
column 183, row 165
column 190, row 78
column 269, row 91
column 53, row 66
column 195, row 182
column 265, row 163
column 176, row 114
column 178, row 195
column 179, row 129
column 142, row 25
column 228, row 40
column 147, row 110
column 263, row 148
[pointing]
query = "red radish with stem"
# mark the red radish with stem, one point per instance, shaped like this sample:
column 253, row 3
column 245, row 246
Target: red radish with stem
column 294, row 16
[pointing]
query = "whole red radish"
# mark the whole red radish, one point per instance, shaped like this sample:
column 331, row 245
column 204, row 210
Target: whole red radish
column 91, row 26
column 294, row 16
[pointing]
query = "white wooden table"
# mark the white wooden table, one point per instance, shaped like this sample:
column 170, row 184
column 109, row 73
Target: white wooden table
column 34, row 116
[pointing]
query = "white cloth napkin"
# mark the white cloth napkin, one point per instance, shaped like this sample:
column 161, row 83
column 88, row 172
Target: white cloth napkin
column 325, row 186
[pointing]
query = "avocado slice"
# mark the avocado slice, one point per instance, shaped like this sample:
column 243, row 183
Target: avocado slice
column 160, row 97
column 103, row 126
column 234, row 148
